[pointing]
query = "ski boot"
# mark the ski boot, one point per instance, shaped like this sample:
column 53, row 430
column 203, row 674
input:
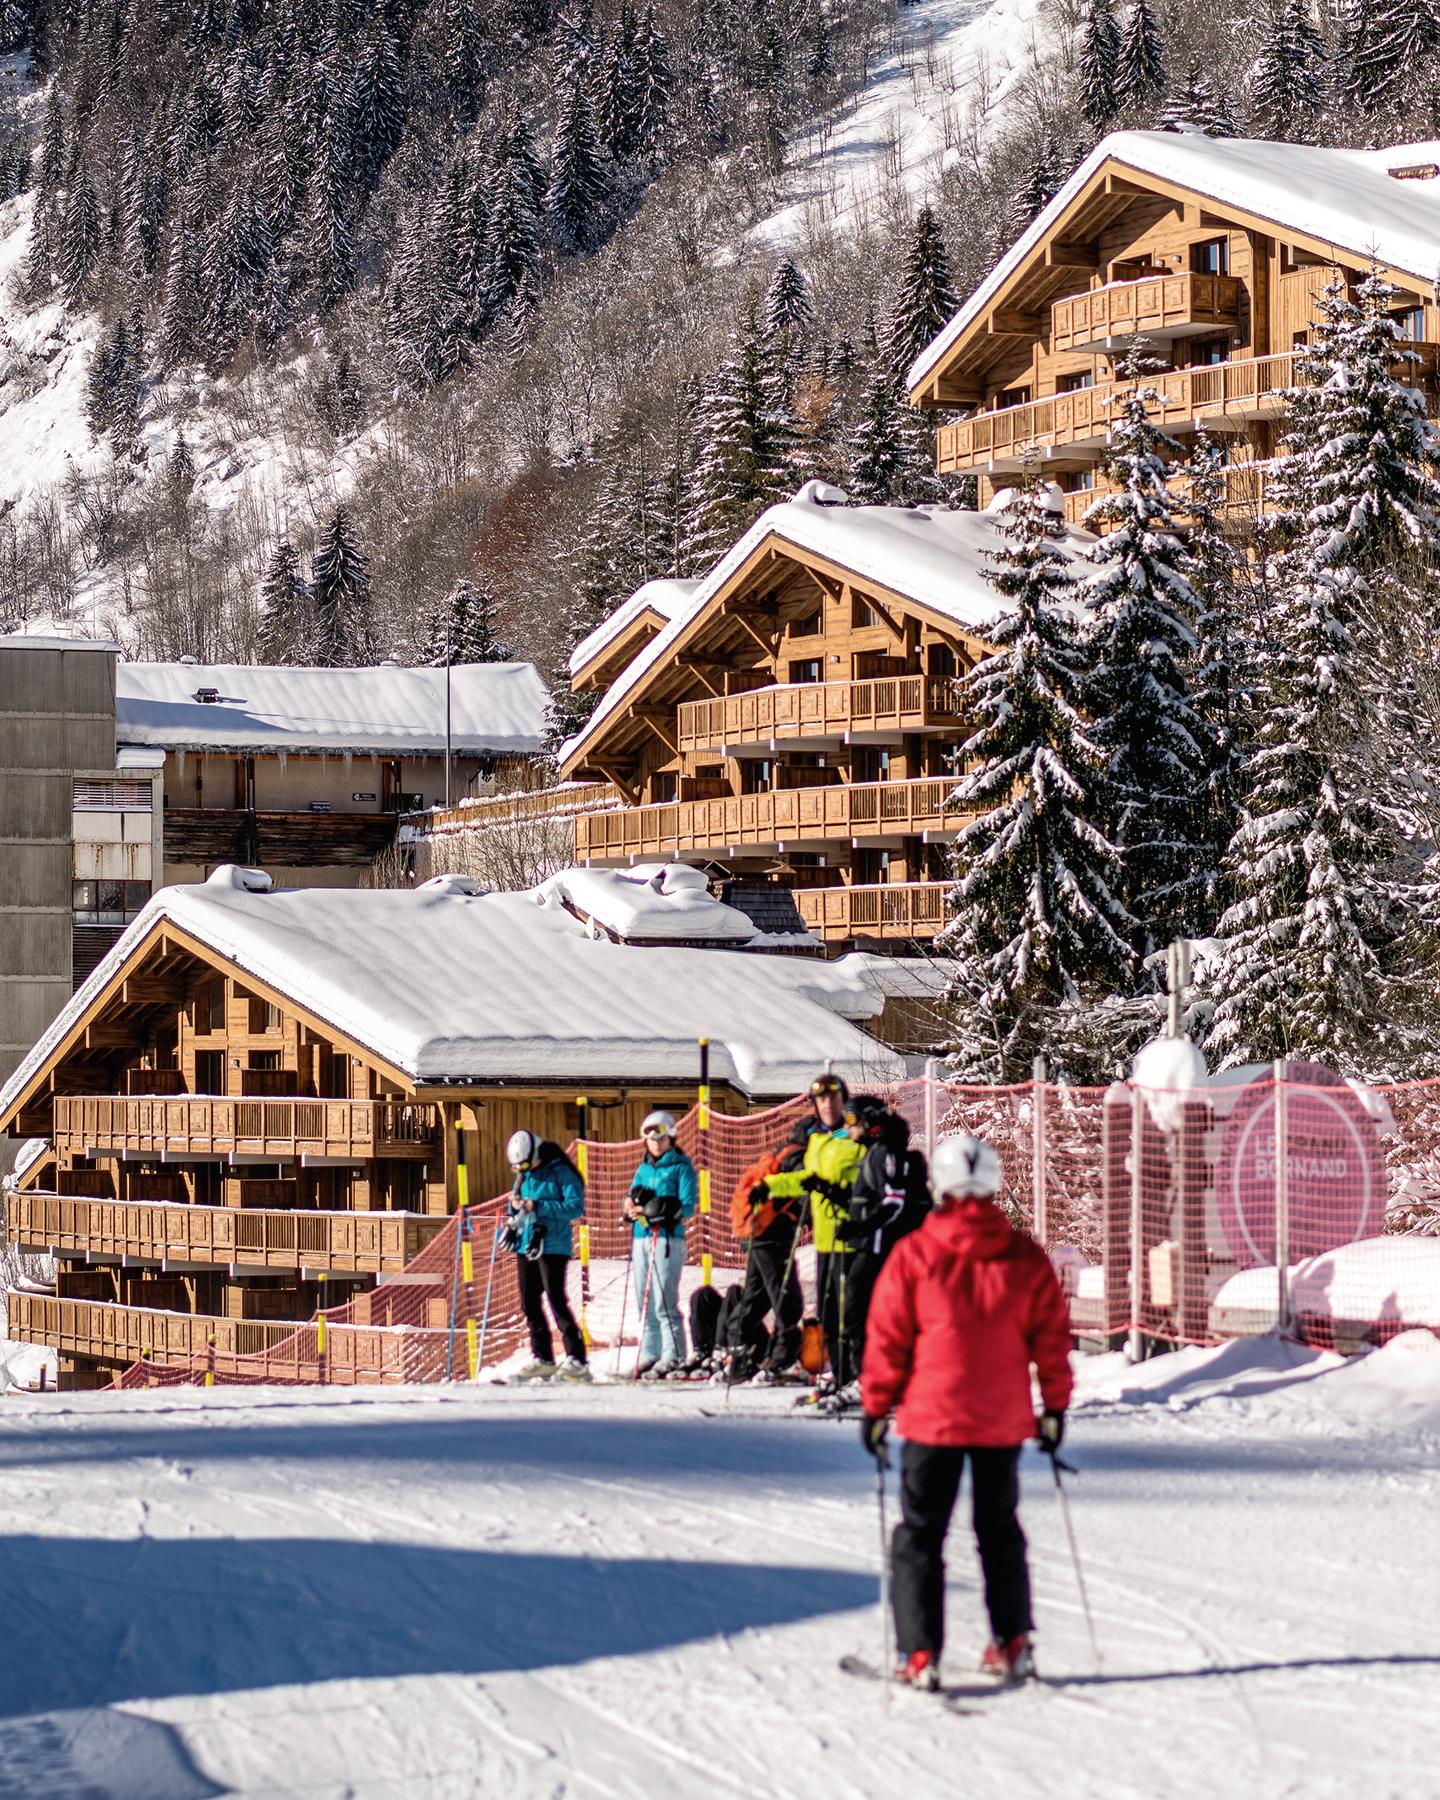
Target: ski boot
column 1011, row 1663
column 572, row 1369
column 661, row 1370
column 537, row 1371
column 919, row 1670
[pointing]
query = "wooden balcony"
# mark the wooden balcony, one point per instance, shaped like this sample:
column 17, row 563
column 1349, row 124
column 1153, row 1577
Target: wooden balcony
column 787, row 818
column 1224, row 396
column 1161, row 306
column 1249, row 491
column 138, row 1231
column 121, row 1335
column 189, row 1128
column 821, row 713
column 896, row 910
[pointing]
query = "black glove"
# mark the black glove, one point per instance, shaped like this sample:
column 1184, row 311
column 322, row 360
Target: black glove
column 662, row 1211
column 759, row 1194
column 1050, row 1431
column 640, row 1194
column 873, row 1433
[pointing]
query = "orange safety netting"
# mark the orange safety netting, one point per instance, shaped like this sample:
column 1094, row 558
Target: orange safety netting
column 1169, row 1215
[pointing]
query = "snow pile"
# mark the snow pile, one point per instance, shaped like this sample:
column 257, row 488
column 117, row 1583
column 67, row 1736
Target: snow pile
column 1378, row 1280
column 1168, row 1070
column 934, row 556
column 652, row 902
column 495, row 708
column 953, row 65
column 454, row 986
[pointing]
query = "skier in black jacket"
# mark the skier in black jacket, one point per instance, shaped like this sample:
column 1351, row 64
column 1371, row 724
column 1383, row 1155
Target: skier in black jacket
column 889, row 1199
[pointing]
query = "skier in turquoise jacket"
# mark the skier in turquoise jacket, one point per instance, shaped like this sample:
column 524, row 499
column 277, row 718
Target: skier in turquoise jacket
column 662, row 1197
column 547, row 1198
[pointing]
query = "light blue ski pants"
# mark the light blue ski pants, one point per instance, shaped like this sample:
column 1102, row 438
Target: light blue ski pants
column 662, row 1335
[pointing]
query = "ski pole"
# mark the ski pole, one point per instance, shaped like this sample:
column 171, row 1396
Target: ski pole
column 886, row 1668
column 1057, row 1465
column 485, row 1311
column 624, row 1300
column 645, row 1305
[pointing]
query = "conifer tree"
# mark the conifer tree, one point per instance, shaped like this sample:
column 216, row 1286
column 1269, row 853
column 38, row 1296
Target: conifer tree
column 331, row 228
column 287, row 618
column 653, row 85
column 576, row 198
column 1311, row 941
column 463, row 35
column 1140, row 68
column 78, row 245
column 788, row 312
column 890, row 459
column 925, row 299
column 1043, row 179
column 1143, row 607
column 1287, row 82
column 618, row 100
column 1037, row 926
column 340, row 592
column 1195, row 102
column 1222, row 655
column 512, row 227
column 179, row 320
column 463, row 629
column 1099, row 63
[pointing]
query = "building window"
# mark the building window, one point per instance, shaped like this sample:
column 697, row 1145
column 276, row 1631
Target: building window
column 663, row 787
column 1075, row 381
column 1411, row 324
column 869, row 764
column 107, row 902
column 940, row 662
column 1016, row 396
column 756, row 777
column 809, row 626
column 862, row 613
column 1204, row 352
column 805, row 670
column 1212, row 257
column 112, row 796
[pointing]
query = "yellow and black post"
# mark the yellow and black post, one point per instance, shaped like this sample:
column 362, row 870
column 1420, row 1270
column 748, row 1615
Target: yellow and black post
column 702, row 1162
column 467, row 1253
column 582, row 1163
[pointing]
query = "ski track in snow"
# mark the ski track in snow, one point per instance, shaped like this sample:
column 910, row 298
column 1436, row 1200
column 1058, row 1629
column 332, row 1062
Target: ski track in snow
column 507, row 1592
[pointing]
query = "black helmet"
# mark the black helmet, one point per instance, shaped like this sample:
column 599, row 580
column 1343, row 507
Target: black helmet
column 829, row 1084
column 870, row 1112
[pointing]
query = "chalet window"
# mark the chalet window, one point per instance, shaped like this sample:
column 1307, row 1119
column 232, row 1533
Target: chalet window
column 757, row 777
column 870, row 764
column 1206, row 351
column 1075, row 381
column 1212, row 257
column 862, row 613
column 212, row 1010
column 940, row 662
column 810, row 626
column 1411, row 324
column 209, row 1071
column 1016, row 396
column 806, row 669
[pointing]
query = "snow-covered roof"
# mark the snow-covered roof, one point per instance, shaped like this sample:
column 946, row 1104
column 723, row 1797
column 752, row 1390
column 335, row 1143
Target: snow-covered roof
column 496, row 708
column 1346, row 199
column 665, row 902
column 139, row 756
column 932, row 555
column 665, row 597
column 20, row 640
column 447, row 984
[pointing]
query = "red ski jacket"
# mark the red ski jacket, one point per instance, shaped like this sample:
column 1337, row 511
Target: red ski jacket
column 962, row 1308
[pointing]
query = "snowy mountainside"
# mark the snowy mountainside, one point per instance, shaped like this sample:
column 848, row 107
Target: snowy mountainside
column 943, row 86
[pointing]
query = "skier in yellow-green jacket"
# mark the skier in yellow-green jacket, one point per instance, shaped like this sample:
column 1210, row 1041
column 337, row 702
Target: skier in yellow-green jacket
column 826, row 1174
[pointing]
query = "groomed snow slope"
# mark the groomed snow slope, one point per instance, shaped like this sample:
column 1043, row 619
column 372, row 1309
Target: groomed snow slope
column 503, row 1592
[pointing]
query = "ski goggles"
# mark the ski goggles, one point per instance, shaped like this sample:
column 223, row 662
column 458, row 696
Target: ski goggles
column 826, row 1084
column 654, row 1131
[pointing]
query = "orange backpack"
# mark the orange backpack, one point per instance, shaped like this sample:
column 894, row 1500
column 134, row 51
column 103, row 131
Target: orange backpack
column 746, row 1220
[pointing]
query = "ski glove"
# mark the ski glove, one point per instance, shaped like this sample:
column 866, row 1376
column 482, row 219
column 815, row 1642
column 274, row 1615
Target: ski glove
column 759, row 1194
column 1050, row 1431
column 873, row 1433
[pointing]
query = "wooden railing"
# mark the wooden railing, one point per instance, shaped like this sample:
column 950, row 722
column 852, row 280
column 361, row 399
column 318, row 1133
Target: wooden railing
column 786, row 816
column 901, row 909
column 559, row 802
column 123, row 1334
column 1250, row 388
column 273, row 1129
column 820, row 709
column 1248, row 489
column 1154, row 305
column 160, row 1232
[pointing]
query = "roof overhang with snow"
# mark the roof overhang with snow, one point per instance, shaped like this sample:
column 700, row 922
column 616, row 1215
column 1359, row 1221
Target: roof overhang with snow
column 446, row 988
column 1338, row 205
column 598, row 659
column 496, row 709
column 931, row 562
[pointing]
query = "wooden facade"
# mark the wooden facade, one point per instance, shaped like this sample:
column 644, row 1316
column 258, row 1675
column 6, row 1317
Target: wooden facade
column 1223, row 298
column 221, row 1161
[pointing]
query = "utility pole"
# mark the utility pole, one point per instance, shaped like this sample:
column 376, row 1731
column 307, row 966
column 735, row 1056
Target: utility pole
column 449, row 652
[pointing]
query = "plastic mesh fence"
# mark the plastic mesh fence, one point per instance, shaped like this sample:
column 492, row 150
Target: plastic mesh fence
column 1168, row 1214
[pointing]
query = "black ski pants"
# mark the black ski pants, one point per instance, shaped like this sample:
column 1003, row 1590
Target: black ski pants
column 546, row 1275
column 929, row 1487
column 864, row 1269
column 771, row 1286
column 833, row 1277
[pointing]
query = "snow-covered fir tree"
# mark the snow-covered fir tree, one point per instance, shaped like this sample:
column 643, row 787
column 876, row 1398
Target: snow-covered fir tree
column 464, row 628
column 1140, row 65
column 1216, row 566
column 890, row 456
column 1043, row 178
column 1142, row 607
column 1195, row 102
column 1314, row 940
column 576, row 197
column 1037, row 928
column 1099, row 62
column 925, row 299
column 286, row 628
column 1288, row 79
column 788, row 312
column 340, row 594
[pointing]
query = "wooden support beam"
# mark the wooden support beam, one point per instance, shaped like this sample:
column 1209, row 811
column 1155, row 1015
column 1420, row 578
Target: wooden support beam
column 661, row 723
column 769, row 645
column 624, row 783
column 1071, row 256
column 1010, row 321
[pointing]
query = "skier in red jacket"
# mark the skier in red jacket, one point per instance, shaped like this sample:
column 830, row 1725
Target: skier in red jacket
column 961, row 1310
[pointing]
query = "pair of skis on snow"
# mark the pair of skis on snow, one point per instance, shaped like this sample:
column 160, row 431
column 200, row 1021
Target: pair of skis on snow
column 957, row 1696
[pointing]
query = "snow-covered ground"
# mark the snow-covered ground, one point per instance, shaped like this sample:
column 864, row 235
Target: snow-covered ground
column 953, row 65
column 608, row 1592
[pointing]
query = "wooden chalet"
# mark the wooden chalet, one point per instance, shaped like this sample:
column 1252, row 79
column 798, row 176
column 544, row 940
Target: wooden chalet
column 1214, row 250
column 796, row 719
column 256, row 1104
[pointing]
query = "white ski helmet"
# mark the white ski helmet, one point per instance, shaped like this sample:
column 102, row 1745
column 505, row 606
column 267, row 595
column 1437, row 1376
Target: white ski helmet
column 659, row 1121
column 964, row 1167
column 520, row 1151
